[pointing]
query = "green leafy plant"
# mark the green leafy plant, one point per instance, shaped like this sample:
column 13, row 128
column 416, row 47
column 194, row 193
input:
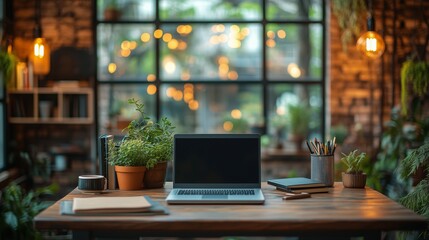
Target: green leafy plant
column 418, row 198
column 18, row 209
column 353, row 161
column 146, row 143
column 7, row 66
column 415, row 73
column 349, row 14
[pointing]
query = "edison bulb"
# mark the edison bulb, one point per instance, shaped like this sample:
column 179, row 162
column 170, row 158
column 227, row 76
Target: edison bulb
column 41, row 56
column 371, row 44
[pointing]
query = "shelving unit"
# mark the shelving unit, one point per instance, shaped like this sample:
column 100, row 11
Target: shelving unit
column 51, row 106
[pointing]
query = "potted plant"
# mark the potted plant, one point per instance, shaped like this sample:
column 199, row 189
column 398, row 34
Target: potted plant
column 354, row 177
column 144, row 151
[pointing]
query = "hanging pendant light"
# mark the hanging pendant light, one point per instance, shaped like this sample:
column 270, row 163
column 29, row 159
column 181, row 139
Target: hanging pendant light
column 371, row 44
column 41, row 55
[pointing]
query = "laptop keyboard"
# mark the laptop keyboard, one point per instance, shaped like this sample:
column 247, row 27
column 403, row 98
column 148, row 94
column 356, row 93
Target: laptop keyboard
column 216, row 192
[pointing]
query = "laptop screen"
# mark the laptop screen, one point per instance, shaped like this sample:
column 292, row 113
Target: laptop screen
column 216, row 159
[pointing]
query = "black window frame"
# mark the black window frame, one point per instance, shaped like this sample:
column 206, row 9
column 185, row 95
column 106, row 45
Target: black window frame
column 265, row 83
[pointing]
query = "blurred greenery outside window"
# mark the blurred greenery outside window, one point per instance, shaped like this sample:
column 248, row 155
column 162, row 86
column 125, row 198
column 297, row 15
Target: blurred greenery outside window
column 201, row 64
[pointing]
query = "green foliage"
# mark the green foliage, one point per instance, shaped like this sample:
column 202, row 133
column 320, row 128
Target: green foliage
column 146, row 143
column 7, row 65
column 18, row 210
column 412, row 162
column 353, row 161
column 350, row 14
column 299, row 116
column 340, row 132
column 418, row 199
column 416, row 73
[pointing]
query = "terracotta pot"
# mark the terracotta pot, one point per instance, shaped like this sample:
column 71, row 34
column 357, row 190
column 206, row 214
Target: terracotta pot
column 130, row 178
column 155, row 177
column 351, row 180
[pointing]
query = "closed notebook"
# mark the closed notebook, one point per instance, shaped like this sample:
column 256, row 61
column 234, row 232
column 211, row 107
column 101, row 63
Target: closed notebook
column 306, row 190
column 110, row 204
column 294, row 183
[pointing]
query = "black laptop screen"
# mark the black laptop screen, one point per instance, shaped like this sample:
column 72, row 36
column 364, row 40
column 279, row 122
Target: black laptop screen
column 217, row 159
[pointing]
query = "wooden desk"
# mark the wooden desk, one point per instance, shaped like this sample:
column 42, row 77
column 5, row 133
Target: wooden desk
column 343, row 211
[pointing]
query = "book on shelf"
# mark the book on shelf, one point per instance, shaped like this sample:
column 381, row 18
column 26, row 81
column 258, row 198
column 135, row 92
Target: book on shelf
column 112, row 206
column 24, row 76
column 295, row 183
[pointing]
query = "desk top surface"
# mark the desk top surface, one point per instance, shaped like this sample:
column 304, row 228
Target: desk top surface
column 342, row 209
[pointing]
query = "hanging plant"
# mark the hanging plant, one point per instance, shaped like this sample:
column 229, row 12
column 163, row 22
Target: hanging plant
column 414, row 75
column 350, row 15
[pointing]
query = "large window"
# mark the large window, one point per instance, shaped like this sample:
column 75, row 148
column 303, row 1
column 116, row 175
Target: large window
column 214, row 66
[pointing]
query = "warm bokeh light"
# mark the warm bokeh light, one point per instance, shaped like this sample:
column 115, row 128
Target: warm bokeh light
column 41, row 56
column 133, row 45
column 145, row 37
column 218, row 28
column 227, row 126
column 371, row 44
column 233, row 75
column 193, row 105
column 184, row 29
column 235, row 28
column 223, row 68
column 236, row 114
column 294, row 70
column 234, row 43
column 178, row 95
column 222, row 60
column 125, row 45
column 281, row 111
column 167, row 37
column 214, row 40
column 182, row 45
column 245, row 31
column 151, row 89
column 281, row 33
column 125, row 52
column 222, row 38
column 170, row 91
column 173, row 44
column 158, row 33
column 271, row 34
column 151, row 78
column 169, row 65
column 111, row 68
column 271, row 43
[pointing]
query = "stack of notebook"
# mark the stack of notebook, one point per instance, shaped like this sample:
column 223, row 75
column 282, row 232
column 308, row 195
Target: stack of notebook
column 298, row 185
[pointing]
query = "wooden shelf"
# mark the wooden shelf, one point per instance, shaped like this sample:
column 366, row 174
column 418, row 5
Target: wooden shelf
column 51, row 106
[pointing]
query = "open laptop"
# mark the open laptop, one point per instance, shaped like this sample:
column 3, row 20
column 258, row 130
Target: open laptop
column 217, row 168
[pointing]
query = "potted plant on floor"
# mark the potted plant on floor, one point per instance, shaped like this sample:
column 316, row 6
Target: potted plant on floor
column 354, row 177
column 144, row 151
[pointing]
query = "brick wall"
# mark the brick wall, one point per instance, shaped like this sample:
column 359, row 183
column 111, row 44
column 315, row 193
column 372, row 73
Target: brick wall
column 65, row 23
column 363, row 91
